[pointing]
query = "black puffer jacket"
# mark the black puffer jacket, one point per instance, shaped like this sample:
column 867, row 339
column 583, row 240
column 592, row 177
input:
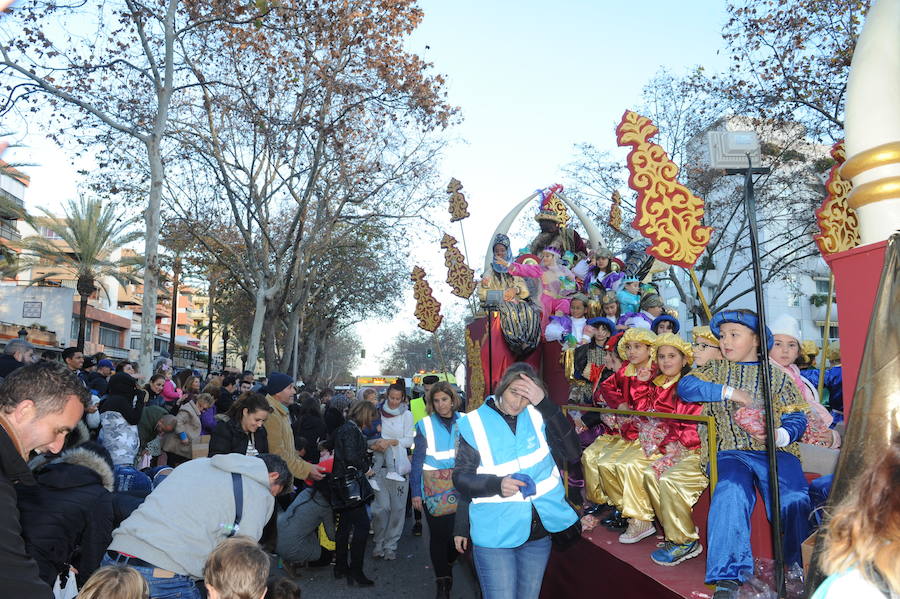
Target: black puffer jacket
column 229, row 437
column 67, row 518
column 311, row 428
column 19, row 577
column 8, row 363
column 349, row 449
column 125, row 398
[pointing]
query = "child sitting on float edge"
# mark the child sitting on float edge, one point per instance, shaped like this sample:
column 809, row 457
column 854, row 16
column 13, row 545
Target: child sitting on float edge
column 728, row 389
column 635, row 346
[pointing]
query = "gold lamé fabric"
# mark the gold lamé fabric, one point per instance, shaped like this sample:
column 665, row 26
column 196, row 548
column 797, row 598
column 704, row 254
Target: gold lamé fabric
column 604, row 447
column 673, row 495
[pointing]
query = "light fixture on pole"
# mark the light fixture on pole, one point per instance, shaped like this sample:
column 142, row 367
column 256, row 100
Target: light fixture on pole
column 739, row 153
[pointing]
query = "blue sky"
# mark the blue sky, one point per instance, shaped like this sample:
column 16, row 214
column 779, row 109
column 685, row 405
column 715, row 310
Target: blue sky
column 531, row 79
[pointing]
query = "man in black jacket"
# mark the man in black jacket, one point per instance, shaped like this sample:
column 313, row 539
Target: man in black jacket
column 39, row 405
column 16, row 354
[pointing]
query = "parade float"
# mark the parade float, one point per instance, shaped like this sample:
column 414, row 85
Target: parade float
column 858, row 220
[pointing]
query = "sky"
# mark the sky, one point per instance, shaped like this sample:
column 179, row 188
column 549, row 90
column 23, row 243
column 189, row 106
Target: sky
column 531, row 79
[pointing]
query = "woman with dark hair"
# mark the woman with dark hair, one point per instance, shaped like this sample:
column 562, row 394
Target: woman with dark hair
column 350, row 454
column 154, row 389
column 309, row 427
column 431, row 483
column 124, row 397
column 243, row 431
column 507, row 465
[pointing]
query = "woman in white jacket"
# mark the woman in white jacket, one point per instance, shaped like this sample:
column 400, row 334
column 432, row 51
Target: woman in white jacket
column 389, row 507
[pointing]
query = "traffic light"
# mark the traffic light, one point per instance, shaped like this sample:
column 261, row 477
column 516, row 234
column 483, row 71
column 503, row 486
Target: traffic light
column 428, row 354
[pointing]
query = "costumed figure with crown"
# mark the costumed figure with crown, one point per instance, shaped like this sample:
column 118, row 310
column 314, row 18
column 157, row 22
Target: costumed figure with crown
column 515, row 319
column 554, row 232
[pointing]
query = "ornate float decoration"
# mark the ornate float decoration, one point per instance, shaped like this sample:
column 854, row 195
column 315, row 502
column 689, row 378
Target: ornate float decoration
column 838, row 222
column 459, row 276
column 615, row 212
column 550, row 201
column 458, row 207
column 477, row 384
column 428, row 309
column 666, row 212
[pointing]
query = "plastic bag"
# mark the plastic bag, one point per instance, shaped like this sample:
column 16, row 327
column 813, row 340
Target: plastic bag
column 69, row 591
column 762, row 584
column 751, row 420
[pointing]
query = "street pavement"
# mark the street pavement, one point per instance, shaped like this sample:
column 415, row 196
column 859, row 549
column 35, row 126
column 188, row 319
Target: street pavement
column 410, row 576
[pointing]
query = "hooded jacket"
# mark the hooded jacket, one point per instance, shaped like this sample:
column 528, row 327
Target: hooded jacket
column 124, row 397
column 188, row 421
column 19, row 577
column 69, row 513
column 189, row 514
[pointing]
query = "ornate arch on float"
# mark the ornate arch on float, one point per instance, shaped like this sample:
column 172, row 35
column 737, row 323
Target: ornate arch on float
column 592, row 231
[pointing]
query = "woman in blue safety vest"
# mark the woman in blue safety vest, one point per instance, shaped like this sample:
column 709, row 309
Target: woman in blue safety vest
column 507, row 466
column 431, row 483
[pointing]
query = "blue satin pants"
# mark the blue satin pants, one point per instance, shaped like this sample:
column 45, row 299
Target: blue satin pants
column 728, row 528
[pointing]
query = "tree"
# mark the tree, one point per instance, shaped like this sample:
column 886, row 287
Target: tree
column 684, row 109
column 92, row 234
column 118, row 74
column 418, row 350
column 329, row 134
column 791, row 60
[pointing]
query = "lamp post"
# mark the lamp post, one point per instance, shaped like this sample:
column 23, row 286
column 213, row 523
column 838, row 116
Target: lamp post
column 738, row 152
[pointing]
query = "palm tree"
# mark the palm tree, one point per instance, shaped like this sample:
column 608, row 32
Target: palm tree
column 93, row 232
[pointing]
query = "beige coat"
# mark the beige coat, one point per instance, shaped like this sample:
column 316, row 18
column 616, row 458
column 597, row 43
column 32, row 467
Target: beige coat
column 281, row 439
column 188, row 421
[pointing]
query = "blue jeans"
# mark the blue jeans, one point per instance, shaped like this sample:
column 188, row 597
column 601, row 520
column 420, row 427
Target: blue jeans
column 176, row 587
column 515, row 573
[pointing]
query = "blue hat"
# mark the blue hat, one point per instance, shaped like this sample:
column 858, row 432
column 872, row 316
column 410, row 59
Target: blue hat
column 601, row 321
column 129, row 478
column 277, row 383
column 631, row 279
column 104, row 363
column 676, row 326
column 748, row 319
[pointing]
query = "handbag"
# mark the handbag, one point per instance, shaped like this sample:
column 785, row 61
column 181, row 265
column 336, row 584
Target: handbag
column 350, row 489
column 438, row 493
column 564, row 539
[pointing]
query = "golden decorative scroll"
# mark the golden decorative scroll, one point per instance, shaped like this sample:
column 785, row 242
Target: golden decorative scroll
column 666, row 212
column 838, row 222
column 459, row 207
column 428, row 309
column 476, row 376
column 615, row 212
column 459, row 276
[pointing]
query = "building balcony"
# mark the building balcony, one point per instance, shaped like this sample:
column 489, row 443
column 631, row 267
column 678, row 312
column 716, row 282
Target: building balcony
column 12, row 200
column 9, row 231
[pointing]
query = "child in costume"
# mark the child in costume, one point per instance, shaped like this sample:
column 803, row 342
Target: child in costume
column 665, row 323
column 630, row 295
column 663, row 443
column 588, row 363
column 651, row 306
column 705, row 346
column 674, row 482
column 725, row 388
column 784, row 354
column 636, row 347
column 557, row 282
column 595, row 293
column 610, row 306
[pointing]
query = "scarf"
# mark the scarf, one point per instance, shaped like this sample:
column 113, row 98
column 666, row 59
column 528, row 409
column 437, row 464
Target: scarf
column 387, row 412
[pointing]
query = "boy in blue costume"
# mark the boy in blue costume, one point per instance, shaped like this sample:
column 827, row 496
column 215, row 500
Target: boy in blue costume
column 728, row 389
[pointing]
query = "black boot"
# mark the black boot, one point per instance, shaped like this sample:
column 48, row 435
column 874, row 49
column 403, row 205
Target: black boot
column 444, row 584
column 341, row 571
column 615, row 521
column 356, row 577
column 324, row 559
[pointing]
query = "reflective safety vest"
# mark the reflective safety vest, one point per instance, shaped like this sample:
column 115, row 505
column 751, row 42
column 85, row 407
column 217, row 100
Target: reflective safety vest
column 504, row 522
column 417, row 407
column 441, row 451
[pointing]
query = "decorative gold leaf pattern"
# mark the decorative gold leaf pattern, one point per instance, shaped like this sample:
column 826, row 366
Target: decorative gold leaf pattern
column 666, row 212
column 838, row 222
column 428, row 309
column 459, row 207
column 459, row 276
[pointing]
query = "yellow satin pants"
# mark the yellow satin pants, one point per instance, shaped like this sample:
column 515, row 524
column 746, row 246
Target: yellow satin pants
column 623, row 481
column 603, row 449
column 673, row 496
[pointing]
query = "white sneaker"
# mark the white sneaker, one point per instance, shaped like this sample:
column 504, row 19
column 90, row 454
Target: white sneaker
column 390, row 555
column 374, row 484
column 378, row 553
column 636, row 531
column 394, row 476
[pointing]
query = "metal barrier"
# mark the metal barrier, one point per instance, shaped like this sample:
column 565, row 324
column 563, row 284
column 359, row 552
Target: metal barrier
column 712, row 439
